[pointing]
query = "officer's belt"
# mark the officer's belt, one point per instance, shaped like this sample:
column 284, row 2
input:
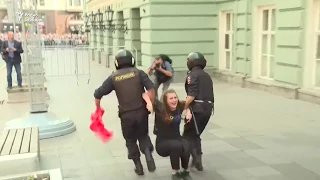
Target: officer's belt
column 201, row 101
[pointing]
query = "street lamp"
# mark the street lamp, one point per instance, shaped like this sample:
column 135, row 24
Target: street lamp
column 92, row 19
column 100, row 19
column 98, row 22
column 86, row 21
column 111, row 27
column 87, row 18
column 109, row 14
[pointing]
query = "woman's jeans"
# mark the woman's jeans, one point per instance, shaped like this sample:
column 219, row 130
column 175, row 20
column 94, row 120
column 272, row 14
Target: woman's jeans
column 177, row 149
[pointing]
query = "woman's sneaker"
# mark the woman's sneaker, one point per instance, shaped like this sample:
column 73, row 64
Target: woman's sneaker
column 185, row 175
column 176, row 176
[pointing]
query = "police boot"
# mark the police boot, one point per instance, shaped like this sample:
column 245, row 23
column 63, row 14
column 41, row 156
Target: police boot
column 199, row 166
column 150, row 161
column 194, row 158
column 139, row 168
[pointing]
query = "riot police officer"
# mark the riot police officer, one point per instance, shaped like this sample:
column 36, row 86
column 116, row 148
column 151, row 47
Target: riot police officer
column 132, row 107
column 200, row 100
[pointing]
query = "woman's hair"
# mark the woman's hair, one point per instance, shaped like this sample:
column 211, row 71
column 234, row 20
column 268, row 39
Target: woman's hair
column 164, row 98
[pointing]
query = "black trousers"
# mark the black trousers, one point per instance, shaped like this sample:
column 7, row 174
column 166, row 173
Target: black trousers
column 190, row 132
column 176, row 149
column 134, row 125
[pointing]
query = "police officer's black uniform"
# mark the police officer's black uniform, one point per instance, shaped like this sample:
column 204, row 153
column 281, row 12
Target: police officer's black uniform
column 199, row 85
column 129, row 83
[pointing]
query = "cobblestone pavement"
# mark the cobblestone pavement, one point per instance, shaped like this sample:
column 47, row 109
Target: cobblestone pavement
column 252, row 136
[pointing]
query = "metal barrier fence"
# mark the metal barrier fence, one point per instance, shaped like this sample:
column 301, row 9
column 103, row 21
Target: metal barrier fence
column 108, row 52
column 63, row 42
column 67, row 61
column 60, row 61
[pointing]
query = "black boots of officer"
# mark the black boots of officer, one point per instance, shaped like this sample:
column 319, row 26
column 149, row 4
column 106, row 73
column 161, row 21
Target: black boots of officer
column 197, row 160
column 150, row 161
column 138, row 167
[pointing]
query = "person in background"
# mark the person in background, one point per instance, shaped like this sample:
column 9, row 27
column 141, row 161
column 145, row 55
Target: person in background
column 163, row 72
column 12, row 50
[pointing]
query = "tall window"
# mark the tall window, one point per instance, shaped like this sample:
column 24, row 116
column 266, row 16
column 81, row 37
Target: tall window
column 316, row 60
column 226, row 35
column 267, row 28
column 77, row 2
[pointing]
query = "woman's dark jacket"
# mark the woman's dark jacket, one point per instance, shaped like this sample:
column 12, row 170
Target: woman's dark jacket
column 167, row 126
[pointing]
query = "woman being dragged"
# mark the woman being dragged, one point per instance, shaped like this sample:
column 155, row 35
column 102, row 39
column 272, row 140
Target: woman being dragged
column 169, row 142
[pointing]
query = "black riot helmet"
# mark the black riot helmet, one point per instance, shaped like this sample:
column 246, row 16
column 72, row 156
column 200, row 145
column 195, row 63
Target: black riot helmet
column 123, row 59
column 196, row 59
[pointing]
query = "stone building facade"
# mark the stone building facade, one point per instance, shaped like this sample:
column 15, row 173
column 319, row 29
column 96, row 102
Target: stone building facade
column 271, row 45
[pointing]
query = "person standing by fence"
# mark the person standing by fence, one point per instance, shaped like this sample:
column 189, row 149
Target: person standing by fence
column 12, row 50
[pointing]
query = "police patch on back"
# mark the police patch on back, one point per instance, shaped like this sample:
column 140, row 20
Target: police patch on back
column 124, row 77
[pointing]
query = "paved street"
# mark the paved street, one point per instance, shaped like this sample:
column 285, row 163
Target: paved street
column 2, row 63
column 253, row 135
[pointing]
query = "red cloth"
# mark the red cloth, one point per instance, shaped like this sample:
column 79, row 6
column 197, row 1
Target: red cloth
column 97, row 126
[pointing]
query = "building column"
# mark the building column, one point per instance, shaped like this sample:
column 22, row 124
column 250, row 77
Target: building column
column 107, row 46
column 101, row 37
column 132, row 36
column 162, row 33
column 118, row 35
column 98, row 46
column 92, row 43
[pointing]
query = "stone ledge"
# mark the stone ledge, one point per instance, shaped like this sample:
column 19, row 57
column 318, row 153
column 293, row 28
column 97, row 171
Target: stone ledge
column 309, row 95
column 274, row 87
column 21, row 95
column 16, row 89
column 54, row 174
column 25, row 75
column 228, row 77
